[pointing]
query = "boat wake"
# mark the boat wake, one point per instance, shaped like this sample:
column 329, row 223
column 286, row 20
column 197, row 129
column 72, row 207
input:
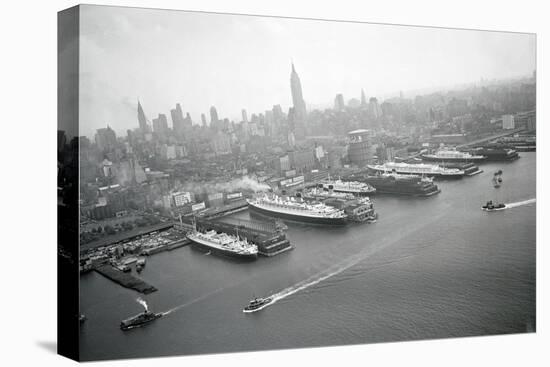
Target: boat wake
column 198, row 299
column 520, row 203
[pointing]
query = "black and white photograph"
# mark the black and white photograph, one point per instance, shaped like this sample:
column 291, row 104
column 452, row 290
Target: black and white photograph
column 238, row 183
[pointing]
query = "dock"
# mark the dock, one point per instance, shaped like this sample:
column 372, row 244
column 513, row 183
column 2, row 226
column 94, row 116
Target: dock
column 125, row 279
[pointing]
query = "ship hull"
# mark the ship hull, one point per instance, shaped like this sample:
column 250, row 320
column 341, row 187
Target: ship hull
column 431, row 158
column 435, row 175
column 220, row 252
column 356, row 193
column 140, row 323
column 298, row 218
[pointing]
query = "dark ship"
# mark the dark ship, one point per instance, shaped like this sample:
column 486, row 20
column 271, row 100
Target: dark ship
column 141, row 319
column 396, row 184
column 491, row 207
column 257, row 304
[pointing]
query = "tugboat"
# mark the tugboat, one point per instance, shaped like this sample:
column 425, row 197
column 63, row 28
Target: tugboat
column 141, row 319
column 257, row 304
column 490, row 207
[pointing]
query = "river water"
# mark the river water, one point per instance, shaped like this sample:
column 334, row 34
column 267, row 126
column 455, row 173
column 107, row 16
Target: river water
column 428, row 268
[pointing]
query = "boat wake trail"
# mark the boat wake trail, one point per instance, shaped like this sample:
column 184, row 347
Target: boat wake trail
column 198, row 299
column 520, row 203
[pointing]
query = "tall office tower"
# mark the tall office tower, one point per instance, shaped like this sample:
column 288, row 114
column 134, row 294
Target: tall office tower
column 105, row 138
column 245, row 115
column 213, row 115
column 142, row 120
column 339, row 103
column 160, row 125
column 203, row 120
column 187, row 121
column 299, row 105
column 177, row 120
column 363, row 99
column 374, row 108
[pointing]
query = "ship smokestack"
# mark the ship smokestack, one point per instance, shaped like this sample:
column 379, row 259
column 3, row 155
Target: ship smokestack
column 143, row 303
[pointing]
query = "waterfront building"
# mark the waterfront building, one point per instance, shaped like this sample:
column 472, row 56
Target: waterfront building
column 508, row 122
column 360, row 151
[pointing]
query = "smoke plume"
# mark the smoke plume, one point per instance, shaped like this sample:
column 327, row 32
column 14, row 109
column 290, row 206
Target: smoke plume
column 143, row 303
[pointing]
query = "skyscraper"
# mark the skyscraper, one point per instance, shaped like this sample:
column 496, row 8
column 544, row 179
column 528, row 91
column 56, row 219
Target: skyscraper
column 105, row 138
column 300, row 113
column 245, row 116
column 160, row 125
column 213, row 115
column 203, row 119
column 339, row 103
column 142, row 119
column 177, row 120
column 363, row 99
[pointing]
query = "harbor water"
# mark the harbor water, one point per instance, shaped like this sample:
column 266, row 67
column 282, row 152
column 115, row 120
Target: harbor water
column 432, row 267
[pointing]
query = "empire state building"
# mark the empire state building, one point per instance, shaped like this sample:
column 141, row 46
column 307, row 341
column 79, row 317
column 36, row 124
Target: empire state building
column 297, row 98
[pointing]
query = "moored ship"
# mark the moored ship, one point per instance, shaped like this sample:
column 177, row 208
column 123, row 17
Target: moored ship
column 296, row 210
column 429, row 170
column 495, row 154
column 321, row 193
column 224, row 244
column 453, row 155
column 396, row 184
column 351, row 187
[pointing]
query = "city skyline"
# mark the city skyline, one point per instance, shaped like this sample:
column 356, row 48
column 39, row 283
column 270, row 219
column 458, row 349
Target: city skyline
column 240, row 75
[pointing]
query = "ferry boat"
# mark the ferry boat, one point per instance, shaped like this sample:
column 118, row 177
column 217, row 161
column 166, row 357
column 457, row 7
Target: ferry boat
column 257, row 304
column 422, row 169
column 453, row 155
column 296, row 209
column 224, row 244
column 139, row 320
column 351, row 187
column 491, row 207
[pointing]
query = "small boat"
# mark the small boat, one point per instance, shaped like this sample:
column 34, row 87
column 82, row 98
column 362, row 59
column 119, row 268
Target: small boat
column 139, row 320
column 490, row 206
column 257, row 304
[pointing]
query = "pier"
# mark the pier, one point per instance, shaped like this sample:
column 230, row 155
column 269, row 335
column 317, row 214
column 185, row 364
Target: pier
column 125, row 279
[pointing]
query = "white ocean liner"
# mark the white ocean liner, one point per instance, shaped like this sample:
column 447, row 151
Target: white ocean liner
column 296, row 209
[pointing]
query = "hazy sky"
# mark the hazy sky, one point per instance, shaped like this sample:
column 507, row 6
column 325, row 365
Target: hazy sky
column 235, row 62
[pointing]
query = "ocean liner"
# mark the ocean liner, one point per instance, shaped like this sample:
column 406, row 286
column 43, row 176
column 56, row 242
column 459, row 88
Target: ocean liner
column 296, row 210
column 430, row 170
column 396, row 184
column 224, row 244
column 452, row 155
column 351, row 187
column 322, row 193
column 495, row 154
